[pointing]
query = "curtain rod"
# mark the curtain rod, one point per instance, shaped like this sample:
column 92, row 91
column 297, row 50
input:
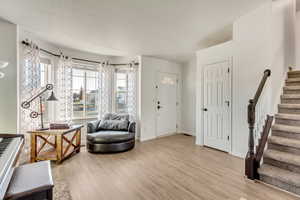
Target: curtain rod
column 78, row 59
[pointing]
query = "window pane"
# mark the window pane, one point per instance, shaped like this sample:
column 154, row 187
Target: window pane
column 78, row 83
column 43, row 79
column 85, row 93
column 78, row 103
column 91, row 83
column 121, row 101
column 121, row 93
column 45, row 108
column 45, row 73
column 78, row 72
column 121, row 75
column 91, row 104
column 91, row 73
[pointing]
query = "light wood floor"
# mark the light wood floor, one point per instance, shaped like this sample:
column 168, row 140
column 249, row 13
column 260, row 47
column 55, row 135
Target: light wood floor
column 166, row 168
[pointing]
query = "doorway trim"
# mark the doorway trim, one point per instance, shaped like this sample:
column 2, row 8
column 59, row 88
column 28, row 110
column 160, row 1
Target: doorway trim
column 177, row 100
column 208, row 56
column 230, row 61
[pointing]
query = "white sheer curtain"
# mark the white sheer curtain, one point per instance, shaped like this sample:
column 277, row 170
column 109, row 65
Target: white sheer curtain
column 132, row 91
column 64, row 90
column 106, row 84
column 29, row 86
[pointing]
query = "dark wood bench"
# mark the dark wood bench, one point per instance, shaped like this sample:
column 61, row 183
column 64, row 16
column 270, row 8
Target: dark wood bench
column 31, row 182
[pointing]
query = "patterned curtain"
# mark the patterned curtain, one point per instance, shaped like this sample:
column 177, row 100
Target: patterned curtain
column 30, row 85
column 132, row 91
column 64, row 90
column 106, row 83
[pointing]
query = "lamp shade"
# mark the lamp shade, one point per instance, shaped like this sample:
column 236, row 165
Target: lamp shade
column 52, row 97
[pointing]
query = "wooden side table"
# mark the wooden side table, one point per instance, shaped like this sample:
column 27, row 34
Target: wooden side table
column 62, row 148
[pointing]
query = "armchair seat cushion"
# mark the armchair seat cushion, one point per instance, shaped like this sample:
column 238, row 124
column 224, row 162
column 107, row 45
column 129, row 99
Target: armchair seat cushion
column 107, row 137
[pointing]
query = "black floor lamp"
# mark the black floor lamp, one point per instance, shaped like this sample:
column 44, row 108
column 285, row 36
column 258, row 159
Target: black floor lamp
column 34, row 114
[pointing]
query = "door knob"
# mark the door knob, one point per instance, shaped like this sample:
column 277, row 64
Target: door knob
column 205, row 109
column 158, row 107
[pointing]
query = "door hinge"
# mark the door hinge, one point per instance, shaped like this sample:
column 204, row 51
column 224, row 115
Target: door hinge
column 228, row 137
column 176, row 125
column 156, row 87
column 228, row 70
column 177, row 103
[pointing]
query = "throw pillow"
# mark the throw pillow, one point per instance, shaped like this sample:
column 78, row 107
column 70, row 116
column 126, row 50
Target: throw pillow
column 115, row 125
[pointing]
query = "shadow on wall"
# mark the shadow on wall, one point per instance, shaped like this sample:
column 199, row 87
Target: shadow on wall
column 219, row 36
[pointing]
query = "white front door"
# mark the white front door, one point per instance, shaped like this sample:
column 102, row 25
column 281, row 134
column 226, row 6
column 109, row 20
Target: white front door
column 166, row 104
column 216, row 107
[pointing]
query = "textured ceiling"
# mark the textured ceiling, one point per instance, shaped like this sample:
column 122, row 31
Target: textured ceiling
column 170, row 29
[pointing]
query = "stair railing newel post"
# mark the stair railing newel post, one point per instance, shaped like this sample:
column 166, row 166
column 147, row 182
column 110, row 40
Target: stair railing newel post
column 250, row 159
column 251, row 164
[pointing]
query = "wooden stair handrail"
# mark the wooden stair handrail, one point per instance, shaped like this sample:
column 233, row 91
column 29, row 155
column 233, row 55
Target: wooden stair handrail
column 264, row 139
column 250, row 162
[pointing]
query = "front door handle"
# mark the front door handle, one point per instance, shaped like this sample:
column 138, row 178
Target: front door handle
column 205, row 109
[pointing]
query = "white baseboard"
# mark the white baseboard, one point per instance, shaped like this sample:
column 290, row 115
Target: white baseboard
column 237, row 154
column 156, row 137
column 187, row 132
column 147, row 138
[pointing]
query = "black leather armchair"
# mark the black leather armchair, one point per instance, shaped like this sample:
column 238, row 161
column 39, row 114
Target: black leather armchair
column 109, row 141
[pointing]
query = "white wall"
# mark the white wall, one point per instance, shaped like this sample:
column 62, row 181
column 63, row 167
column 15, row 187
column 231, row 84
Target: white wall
column 263, row 38
column 188, row 115
column 8, row 85
column 252, row 55
column 283, row 46
column 150, row 67
column 210, row 55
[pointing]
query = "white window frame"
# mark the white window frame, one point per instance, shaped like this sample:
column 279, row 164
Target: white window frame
column 49, row 79
column 85, row 68
column 115, row 90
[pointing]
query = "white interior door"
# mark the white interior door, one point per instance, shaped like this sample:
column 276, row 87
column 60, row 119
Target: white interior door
column 217, row 108
column 166, row 104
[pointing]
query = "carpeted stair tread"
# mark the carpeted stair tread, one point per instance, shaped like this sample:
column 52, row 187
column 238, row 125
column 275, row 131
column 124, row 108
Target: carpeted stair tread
column 296, row 72
column 284, row 157
column 291, row 88
column 288, row 116
column 290, row 96
column 284, row 141
column 292, row 80
column 285, row 128
column 289, row 106
column 281, row 174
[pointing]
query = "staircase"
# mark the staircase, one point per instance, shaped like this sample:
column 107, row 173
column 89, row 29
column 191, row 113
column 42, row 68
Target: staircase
column 281, row 160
